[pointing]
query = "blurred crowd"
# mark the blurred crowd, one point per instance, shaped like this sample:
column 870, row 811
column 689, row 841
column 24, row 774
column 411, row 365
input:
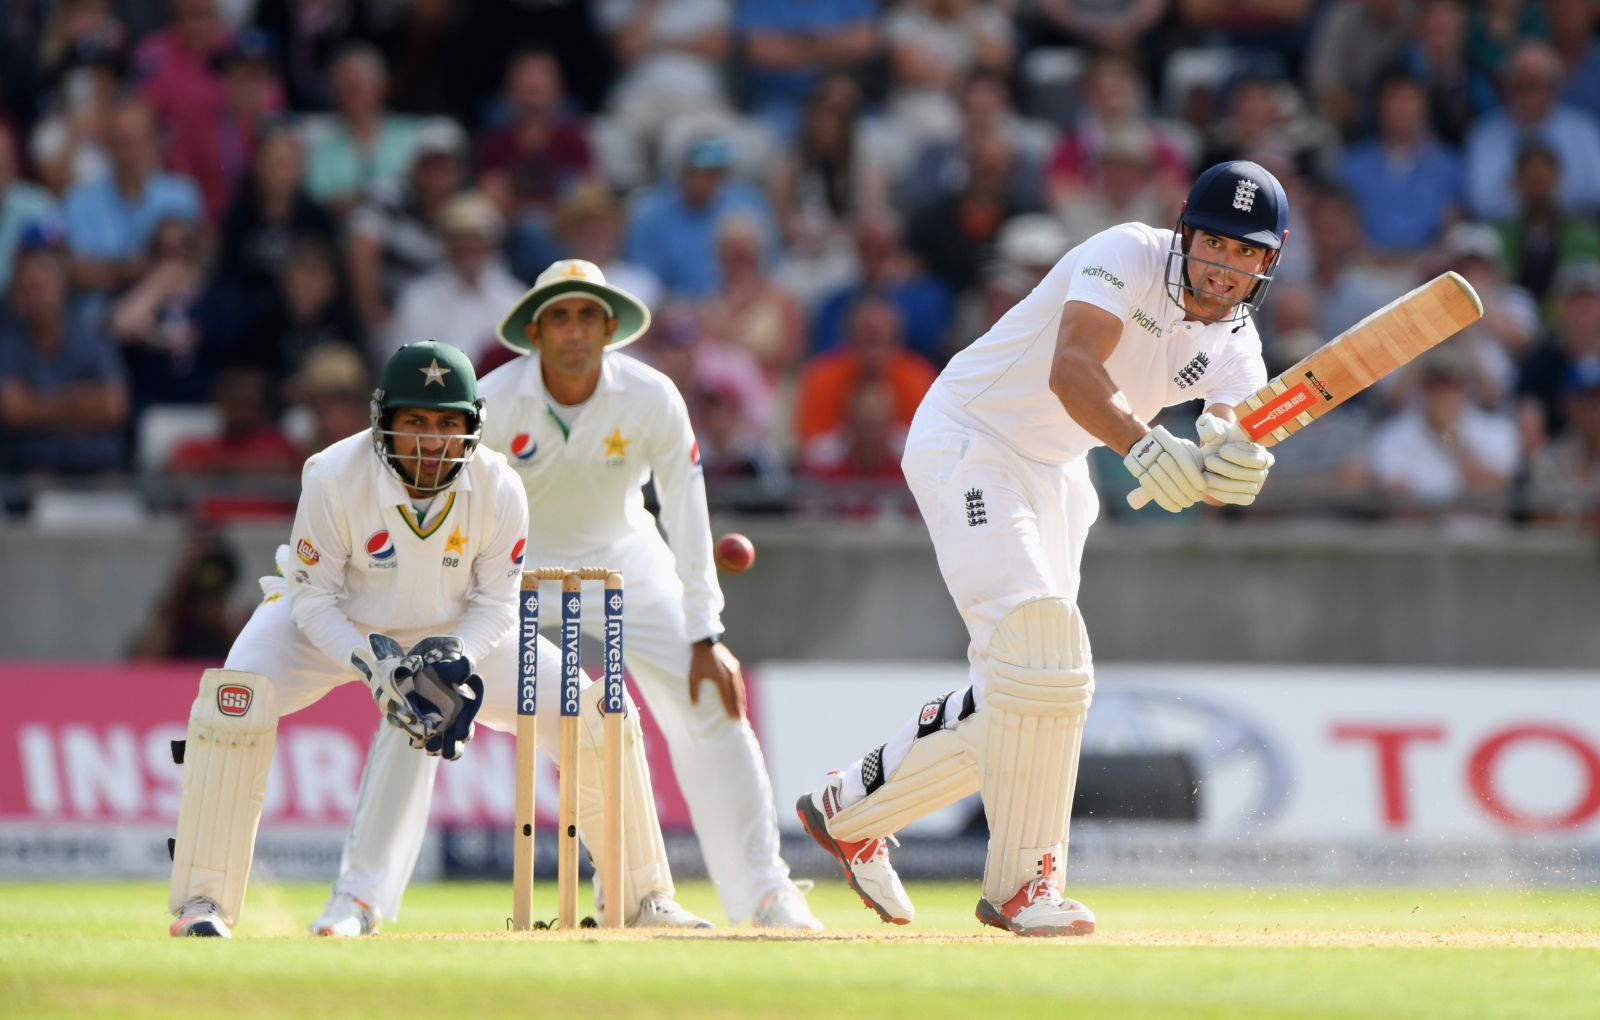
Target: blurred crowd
column 219, row 217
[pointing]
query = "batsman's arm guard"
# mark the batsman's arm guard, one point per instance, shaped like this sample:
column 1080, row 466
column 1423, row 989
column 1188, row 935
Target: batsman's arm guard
column 233, row 727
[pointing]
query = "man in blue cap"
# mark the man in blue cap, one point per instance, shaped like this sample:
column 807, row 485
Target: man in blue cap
column 1133, row 320
column 673, row 231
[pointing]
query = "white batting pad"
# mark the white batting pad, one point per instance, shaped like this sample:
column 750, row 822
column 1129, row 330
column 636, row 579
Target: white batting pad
column 938, row 771
column 1038, row 687
column 232, row 729
column 646, row 869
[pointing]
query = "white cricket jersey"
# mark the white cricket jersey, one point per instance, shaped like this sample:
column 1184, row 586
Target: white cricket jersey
column 358, row 560
column 1001, row 384
column 583, row 478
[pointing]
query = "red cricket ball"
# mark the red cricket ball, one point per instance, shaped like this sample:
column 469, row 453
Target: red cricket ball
column 734, row 553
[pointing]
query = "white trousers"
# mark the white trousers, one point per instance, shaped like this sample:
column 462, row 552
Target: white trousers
column 272, row 646
column 717, row 760
column 1005, row 529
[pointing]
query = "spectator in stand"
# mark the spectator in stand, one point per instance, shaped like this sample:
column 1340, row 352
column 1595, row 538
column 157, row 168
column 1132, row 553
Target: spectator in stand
column 673, row 228
column 890, row 272
column 1112, row 100
column 363, row 146
column 1446, row 447
column 867, row 444
column 196, row 619
column 732, row 447
column 1406, row 183
column 1572, row 31
column 1128, row 191
column 944, row 165
column 1029, row 247
column 1437, row 56
column 1574, row 340
column 310, row 35
column 333, row 382
column 750, row 311
column 589, row 224
column 462, row 302
column 271, row 211
column 495, row 30
column 425, row 38
column 671, row 52
column 1532, row 84
column 1265, row 124
column 953, row 234
column 1113, row 27
column 250, row 444
column 69, row 146
column 216, row 147
column 1353, row 42
column 873, row 352
column 1510, row 322
column 1564, row 478
column 176, row 329
column 63, row 397
column 822, row 185
column 1498, row 27
column 788, row 46
column 525, row 166
column 308, row 311
column 933, row 46
column 394, row 238
column 22, row 204
column 1541, row 237
column 76, row 28
column 1344, row 286
column 109, row 221
column 1275, row 25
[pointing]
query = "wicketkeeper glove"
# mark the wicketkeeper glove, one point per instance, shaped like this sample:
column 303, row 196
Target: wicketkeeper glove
column 388, row 670
column 1169, row 468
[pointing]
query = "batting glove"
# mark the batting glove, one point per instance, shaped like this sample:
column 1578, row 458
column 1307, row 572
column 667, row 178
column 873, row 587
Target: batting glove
column 1236, row 468
column 1169, row 468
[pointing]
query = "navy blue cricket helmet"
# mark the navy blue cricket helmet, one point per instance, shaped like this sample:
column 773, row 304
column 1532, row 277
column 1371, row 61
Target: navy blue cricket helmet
column 1239, row 200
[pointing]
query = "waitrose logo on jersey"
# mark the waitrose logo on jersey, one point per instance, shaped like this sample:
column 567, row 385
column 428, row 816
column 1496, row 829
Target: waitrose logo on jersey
column 1102, row 273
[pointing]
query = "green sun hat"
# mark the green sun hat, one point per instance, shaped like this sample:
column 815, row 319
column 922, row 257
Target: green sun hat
column 430, row 375
column 575, row 277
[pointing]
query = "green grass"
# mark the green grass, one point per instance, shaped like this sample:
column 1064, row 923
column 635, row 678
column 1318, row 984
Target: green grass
column 102, row 951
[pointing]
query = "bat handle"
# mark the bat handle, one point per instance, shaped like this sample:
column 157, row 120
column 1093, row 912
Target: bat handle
column 1138, row 498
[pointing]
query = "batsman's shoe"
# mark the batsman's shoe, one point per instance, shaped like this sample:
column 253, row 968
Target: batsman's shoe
column 1039, row 909
column 201, row 918
column 865, row 862
column 785, row 907
column 661, row 911
column 346, row 917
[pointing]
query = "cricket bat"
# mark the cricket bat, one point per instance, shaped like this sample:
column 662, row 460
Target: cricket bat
column 1353, row 360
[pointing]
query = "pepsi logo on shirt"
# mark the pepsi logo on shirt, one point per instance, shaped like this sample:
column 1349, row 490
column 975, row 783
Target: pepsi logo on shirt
column 381, row 548
column 524, row 446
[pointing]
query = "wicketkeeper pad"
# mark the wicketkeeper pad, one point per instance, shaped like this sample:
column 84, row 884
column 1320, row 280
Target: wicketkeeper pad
column 1038, row 686
column 645, row 867
column 233, row 727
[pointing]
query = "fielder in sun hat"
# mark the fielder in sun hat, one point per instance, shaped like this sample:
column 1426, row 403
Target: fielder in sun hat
column 575, row 278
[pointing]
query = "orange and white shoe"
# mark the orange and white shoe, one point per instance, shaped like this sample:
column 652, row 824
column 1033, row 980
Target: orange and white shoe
column 865, row 862
column 1038, row 908
column 346, row 917
column 200, row 918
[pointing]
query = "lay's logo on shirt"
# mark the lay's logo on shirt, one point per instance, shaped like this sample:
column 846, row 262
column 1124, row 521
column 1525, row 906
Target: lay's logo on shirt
column 523, row 446
column 307, row 552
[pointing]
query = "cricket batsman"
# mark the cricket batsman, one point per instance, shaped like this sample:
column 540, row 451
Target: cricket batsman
column 1132, row 320
column 403, row 572
column 584, row 427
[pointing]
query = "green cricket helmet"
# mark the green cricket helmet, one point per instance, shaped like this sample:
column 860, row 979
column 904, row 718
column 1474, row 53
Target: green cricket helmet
column 435, row 377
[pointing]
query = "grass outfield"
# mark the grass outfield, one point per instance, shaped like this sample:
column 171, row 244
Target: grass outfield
column 102, row 951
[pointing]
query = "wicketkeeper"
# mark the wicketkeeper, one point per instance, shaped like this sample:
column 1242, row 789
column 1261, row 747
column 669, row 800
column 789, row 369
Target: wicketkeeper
column 402, row 572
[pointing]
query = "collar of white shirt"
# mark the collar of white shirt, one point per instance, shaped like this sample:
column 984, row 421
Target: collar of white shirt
column 532, row 384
